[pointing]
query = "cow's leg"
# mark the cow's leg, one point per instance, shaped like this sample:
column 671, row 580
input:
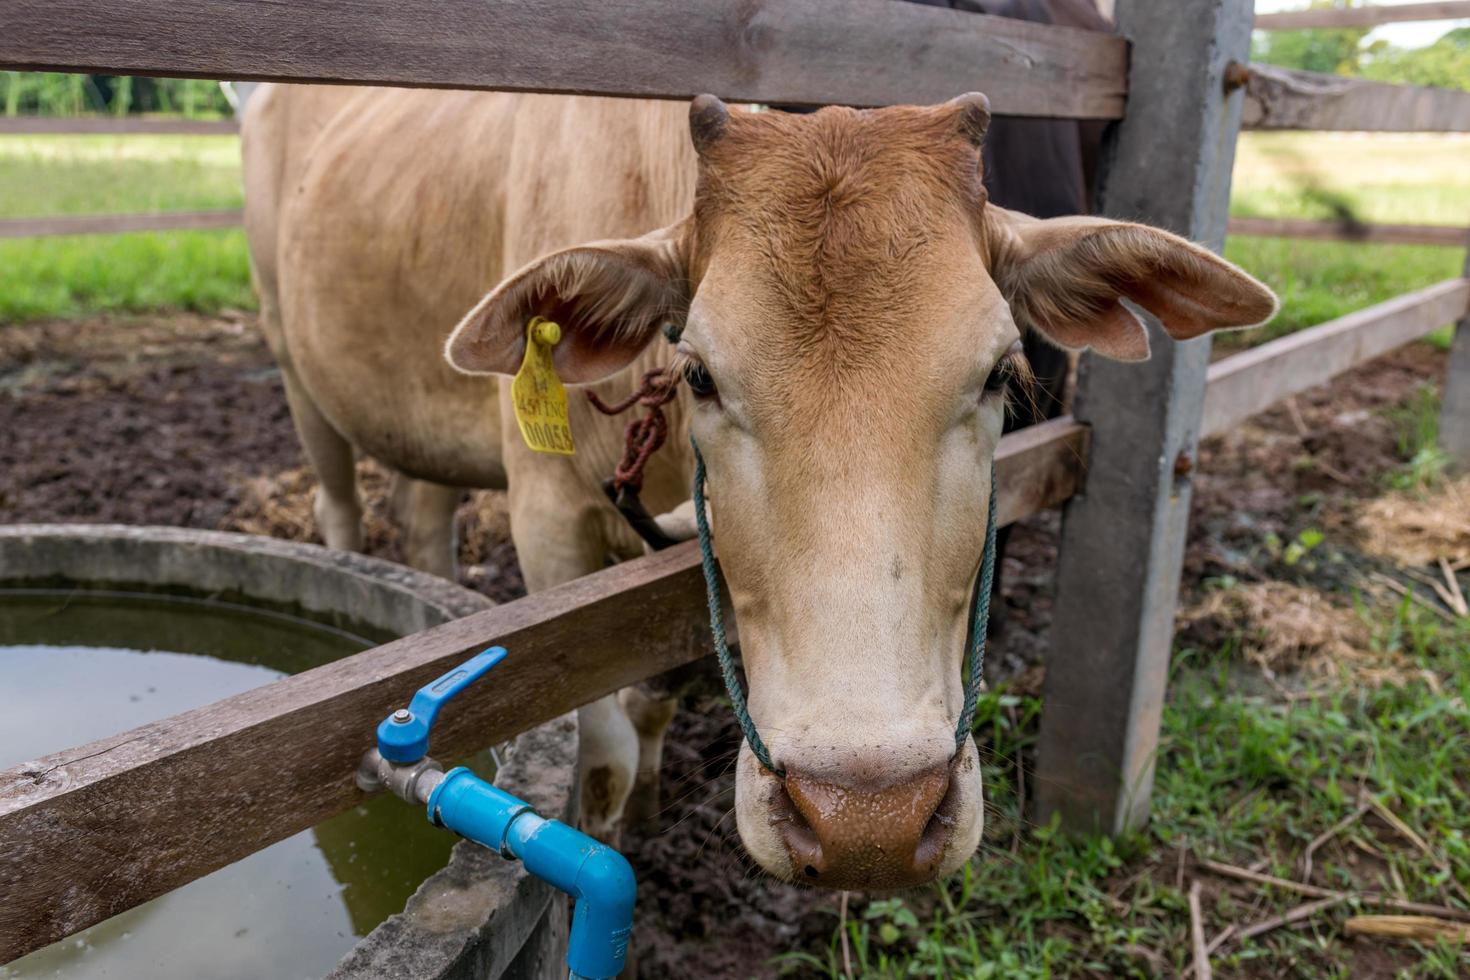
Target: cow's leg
column 608, row 758
column 424, row 513
column 651, row 711
column 555, row 546
column 337, row 507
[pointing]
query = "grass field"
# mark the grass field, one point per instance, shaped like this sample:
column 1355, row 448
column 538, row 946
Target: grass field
column 1379, row 178
column 41, row 176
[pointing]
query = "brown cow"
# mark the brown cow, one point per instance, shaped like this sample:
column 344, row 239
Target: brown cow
column 847, row 299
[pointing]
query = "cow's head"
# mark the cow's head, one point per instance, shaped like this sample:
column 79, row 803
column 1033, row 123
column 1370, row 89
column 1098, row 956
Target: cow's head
column 850, row 307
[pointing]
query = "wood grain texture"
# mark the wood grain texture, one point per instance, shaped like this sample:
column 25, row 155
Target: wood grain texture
column 1343, row 231
column 98, row 829
column 110, row 125
column 1248, row 382
column 1280, row 98
column 113, row 224
column 1122, row 545
column 1370, row 16
column 1040, row 467
column 857, row 52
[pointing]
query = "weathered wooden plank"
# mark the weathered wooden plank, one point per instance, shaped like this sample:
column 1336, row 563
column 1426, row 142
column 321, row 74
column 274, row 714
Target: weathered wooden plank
column 1249, row 382
column 1039, row 467
column 1348, row 231
column 113, row 224
column 1371, row 16
column 1123, row 539
column 858, row 52
column 1454, row 413
column 1280, row 98
column 112, row 125
column 98, row 829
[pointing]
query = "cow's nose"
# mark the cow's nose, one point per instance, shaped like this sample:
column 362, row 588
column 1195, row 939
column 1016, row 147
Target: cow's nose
column 861, row 835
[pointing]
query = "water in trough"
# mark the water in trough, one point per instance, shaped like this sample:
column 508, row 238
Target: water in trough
column 79, row 666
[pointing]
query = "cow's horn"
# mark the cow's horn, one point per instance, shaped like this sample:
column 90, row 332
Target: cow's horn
column 708, row 117
column 974, row 114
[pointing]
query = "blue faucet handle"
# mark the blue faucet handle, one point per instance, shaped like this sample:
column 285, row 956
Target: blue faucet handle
column 404, row 735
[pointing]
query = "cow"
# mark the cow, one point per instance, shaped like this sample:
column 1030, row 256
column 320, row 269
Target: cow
column 847, row 304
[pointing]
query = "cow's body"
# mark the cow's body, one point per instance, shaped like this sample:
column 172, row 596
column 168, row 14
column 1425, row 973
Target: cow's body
column 360, row 291
column 376, row 218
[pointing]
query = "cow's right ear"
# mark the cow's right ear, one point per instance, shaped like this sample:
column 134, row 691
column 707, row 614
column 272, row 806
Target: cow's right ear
column 610, row 298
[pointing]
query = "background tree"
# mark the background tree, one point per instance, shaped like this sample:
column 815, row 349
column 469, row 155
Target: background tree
column 1443, row 64
column 1335, row 52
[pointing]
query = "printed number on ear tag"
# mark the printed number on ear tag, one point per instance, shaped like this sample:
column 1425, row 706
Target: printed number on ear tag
column 537, row 395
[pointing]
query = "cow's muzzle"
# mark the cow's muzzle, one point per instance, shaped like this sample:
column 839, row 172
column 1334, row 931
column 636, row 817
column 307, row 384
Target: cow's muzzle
column 862, row 835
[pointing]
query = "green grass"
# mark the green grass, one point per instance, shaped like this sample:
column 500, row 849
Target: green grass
column 1379, row 178
column 1321, row 281
column 79, row 275
column 205, row 271
column 1242, row 777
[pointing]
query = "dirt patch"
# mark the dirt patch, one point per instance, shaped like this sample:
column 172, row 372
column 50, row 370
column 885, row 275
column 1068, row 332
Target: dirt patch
column 108, row 421
column 181, row 420
column 1296, row 466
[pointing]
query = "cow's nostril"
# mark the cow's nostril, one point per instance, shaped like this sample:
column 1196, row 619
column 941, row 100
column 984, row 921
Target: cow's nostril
column 796, row 832
column 939, row 830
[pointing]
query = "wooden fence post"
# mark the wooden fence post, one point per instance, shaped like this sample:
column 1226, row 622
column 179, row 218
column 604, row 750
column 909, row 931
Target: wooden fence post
column 1454, row 418
column 1168, row 163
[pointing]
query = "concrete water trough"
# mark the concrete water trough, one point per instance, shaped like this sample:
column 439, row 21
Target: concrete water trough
column 104, row 628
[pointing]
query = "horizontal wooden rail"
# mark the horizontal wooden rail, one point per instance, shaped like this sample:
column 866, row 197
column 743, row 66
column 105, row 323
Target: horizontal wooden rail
column 1243, row 384
column 1372, row 16
column 857, row 52
column 112, row 224
column 112, row 125
column 95, row 830
column 1280, row 98
column 1348, row 231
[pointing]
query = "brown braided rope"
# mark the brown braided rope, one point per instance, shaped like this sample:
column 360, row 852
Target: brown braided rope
column 643, row 435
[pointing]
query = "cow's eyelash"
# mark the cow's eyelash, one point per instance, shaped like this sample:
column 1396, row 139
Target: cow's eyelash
column 692, row 371
column 1013, row 367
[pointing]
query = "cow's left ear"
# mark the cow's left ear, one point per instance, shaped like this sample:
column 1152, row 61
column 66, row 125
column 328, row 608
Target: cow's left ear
column 610, row 298
column 1065, row 277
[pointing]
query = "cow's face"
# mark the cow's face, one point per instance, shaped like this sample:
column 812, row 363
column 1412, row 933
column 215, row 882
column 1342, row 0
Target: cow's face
column 850, row 310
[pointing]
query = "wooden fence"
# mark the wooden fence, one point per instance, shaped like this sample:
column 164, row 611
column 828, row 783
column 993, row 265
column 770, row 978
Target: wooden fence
column 113, row 126
column 1453, row 236
column 94, row 830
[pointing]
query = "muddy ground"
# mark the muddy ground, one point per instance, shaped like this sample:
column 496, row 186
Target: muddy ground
column 180, row 420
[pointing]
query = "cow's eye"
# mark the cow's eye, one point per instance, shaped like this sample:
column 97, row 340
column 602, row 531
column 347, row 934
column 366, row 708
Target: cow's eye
column 697, row 377
column 1000, row 376
column 1011, row 367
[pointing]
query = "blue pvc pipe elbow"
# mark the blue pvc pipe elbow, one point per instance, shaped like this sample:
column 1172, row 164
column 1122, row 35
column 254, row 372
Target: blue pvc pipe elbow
column 599, row 878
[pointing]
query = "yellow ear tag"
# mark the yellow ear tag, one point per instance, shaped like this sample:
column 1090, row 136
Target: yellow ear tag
column 537, row 395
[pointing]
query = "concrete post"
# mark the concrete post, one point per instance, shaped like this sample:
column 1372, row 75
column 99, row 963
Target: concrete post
column 1167, row 163
column 1454, row 419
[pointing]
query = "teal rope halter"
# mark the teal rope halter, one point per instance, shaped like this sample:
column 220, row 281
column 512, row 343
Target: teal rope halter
column 979, row 623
